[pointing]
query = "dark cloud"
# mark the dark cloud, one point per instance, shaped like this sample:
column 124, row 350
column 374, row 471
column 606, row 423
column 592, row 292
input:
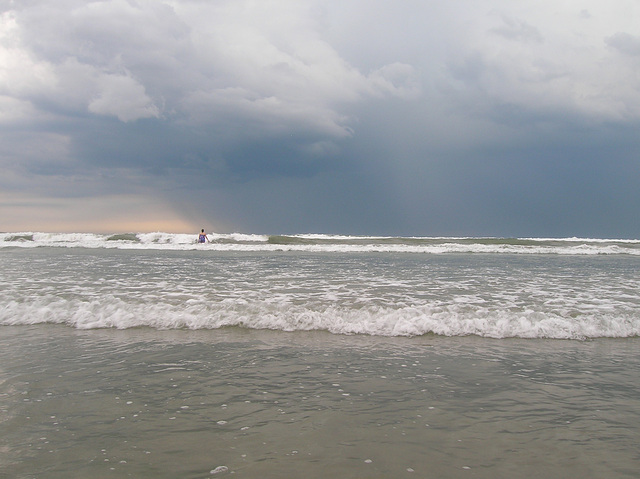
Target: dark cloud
column 356, row 117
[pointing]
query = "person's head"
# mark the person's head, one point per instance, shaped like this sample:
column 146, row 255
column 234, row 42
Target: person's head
column 202, row 230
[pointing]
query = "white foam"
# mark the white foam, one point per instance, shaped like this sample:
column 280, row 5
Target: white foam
column 373, row 295
column 322, row 243
column 445, row 320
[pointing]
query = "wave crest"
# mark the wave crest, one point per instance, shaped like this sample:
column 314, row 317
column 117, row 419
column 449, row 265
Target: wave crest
column 451, row 320
column 325, row 243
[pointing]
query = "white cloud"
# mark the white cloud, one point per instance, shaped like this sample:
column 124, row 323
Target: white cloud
column 548, row 61
column 397, row 79
column 275, row 62
column 257, row 115
column 266, row 60
column 124, row 97
column 15, row 112
column 268, row 63
column 22, row 75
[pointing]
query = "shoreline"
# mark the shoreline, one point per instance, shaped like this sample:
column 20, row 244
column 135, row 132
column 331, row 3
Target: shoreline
column 182, row 403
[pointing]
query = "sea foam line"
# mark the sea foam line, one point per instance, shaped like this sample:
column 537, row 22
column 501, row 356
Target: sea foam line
column 323, row 243
column 451, row 320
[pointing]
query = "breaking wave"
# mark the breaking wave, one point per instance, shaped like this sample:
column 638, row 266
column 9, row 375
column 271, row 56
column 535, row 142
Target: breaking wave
column 324, row 243
column 450, row 320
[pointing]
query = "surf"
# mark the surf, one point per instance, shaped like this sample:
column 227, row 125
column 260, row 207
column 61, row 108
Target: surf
column 324, row 243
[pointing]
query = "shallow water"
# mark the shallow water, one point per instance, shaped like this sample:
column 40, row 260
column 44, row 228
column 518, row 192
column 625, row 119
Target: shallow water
column 209, row 403
column 390, row 294
column 139, row 361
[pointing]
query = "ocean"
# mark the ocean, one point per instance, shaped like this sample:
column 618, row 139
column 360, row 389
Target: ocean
column 148, row 355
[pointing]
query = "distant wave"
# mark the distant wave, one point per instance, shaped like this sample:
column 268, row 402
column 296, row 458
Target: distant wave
column 324, row 243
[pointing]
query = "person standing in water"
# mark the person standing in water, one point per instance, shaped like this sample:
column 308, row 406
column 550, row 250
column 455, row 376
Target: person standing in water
column 202, row 237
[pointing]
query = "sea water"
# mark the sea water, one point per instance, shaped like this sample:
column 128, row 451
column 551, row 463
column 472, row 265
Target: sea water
column 311, row 356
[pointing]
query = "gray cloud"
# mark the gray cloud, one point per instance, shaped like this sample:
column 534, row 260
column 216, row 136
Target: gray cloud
column 625, row 43
column 416, row 118
column 519, row 30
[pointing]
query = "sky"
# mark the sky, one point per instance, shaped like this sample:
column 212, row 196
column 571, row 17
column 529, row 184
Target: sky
column 365, row 117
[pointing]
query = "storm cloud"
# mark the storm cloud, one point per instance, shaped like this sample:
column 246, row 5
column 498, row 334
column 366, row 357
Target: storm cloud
column 363, row 117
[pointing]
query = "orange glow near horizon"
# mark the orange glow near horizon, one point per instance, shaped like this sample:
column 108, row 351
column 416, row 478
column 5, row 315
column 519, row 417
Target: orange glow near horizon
column 121, row 214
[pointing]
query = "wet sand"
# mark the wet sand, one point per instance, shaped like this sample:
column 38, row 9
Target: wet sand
column 209, row 403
